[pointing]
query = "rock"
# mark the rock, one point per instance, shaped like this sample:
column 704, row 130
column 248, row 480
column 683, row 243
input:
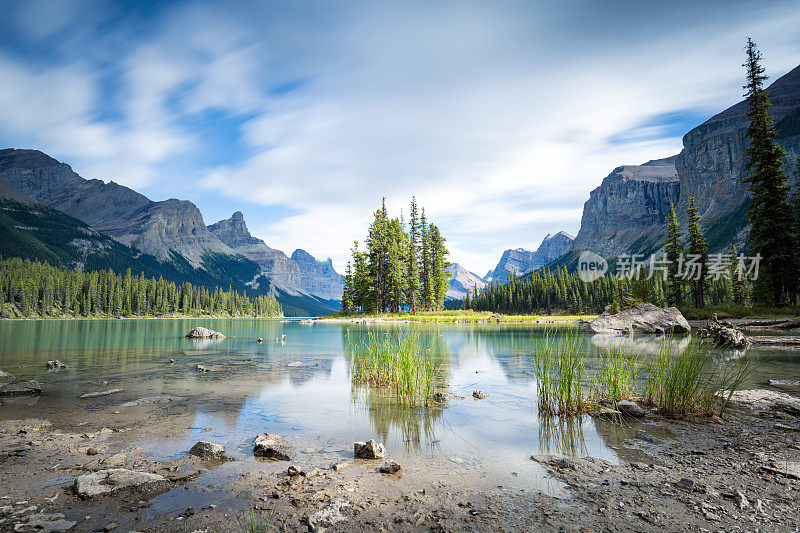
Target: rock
column 55, row 365
column 740, row 500
column 784, row 383
column 273, row 446
column 5, row 377
column 112, row 480
column 368, row 450
column 338, row 467
column 685, row 484
column 630, row 409
column 327, row 516
column 201, row 368
column 789, row 469
column 259, row 340
column 724, row 334
column 761, row 399
column 49, row 523
column 479, row 394
column 91, row 451
column 390, row 467
column 110, row 527
column 208, row 451
column 200, row 332
column 101, row 393
column 293, row 471
column 606, row 412
column 31, row 387
column 153, row 400
column 640, row 318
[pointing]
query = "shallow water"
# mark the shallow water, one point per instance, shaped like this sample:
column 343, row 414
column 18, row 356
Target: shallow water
column 302, row 390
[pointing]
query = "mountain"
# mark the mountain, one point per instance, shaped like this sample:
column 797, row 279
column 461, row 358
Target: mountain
column 626, row 213
column 281, row 271
column 299, row 275
column 318, row 277
column 462, row 280
column 170, row 236
column 523, row 261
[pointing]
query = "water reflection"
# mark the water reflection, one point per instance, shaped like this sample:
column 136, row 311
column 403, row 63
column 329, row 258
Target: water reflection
column 303, row 388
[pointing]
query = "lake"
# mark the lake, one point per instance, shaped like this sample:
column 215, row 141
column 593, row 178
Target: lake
column 302, row 390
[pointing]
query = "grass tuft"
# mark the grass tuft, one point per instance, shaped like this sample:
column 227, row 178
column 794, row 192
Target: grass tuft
column 398, row 362
column 559, row 363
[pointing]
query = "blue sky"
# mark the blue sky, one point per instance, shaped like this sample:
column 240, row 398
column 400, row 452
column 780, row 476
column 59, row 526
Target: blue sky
column 499, row 116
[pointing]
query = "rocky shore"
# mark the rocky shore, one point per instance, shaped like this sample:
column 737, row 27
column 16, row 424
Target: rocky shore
column 741, row 473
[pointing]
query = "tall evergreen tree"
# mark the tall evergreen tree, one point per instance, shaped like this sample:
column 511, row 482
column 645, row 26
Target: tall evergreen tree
column 769, row 210
column 674, row 255
column 796, row 205
column 697, row 248
column 425, row 262
column 440, row 275
column 412, row 261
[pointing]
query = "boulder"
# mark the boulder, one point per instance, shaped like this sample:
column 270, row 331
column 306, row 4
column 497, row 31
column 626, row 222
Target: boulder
column 272, row 446
column 761, row 399
column 368, row 450
column 55, row 365
column 200, row 332
column 5, row 377
column 112, row 480
column 630, row 409
column 23, row 388
column 724, row 334
column 208, row 451
column 639, row 318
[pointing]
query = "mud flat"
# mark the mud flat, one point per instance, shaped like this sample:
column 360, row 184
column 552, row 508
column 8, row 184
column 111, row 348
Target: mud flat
column 708, row 474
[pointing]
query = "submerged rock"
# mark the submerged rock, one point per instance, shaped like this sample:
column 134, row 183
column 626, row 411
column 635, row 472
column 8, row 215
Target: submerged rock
column 112, row 480
column 200, row 332
column 208, row 451
column 49, row 523
column 479, row 395
column 640, row 318
column 101, row 393
column 55, row 365
column 24, row 388
column 724, row 334
column 273, row 446
column 630, row 409
column 368, row 450
column 5, row 377
column 153, row 400
column 201, row 368
column 783, row 383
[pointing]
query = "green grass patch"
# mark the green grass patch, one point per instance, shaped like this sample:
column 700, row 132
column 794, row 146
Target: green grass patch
column 397, row 362
column 559, row 363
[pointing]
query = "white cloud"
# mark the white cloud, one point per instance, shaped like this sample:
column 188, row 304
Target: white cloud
column 498, row 118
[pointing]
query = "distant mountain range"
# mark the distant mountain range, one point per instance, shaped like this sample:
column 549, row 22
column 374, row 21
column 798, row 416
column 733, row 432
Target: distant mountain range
column 519, row 261
column 52, row 213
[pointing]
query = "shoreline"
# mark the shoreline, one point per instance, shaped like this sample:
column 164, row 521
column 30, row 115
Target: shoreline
column 672, row 474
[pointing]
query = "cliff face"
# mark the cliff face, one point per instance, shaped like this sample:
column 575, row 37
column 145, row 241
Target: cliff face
column 712, row 163
column 282, row 271
column 318, row 277
column 626, row 213
column 156, row 228
column 462, row 280
column 628, row 208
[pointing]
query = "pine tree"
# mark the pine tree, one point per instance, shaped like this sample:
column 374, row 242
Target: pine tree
column 674, row 255
column 769, row 209
column 698, row 248
column 440, row 275
column 425, row 262
column 412, row 261
column 796, row 205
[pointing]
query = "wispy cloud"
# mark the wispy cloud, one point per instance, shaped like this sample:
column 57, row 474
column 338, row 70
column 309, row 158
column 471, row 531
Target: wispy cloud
column 499, row 117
